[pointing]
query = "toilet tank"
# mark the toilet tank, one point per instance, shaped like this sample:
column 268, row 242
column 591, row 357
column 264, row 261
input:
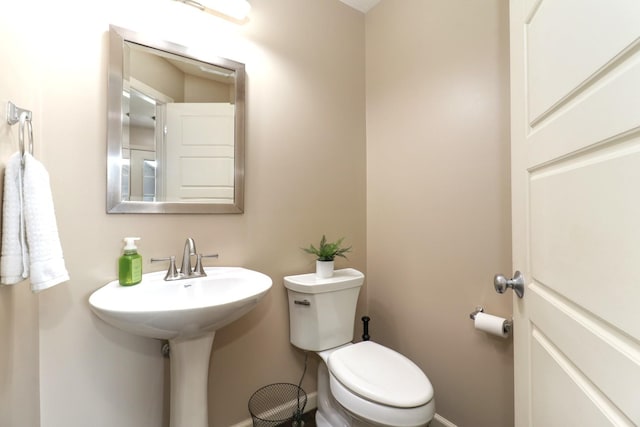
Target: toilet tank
column 322, row 311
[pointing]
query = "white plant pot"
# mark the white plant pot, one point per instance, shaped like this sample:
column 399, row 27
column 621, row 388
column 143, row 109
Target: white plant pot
column 324, row 269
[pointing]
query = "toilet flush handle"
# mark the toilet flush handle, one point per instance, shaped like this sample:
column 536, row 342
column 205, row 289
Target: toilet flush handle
column 303, row 302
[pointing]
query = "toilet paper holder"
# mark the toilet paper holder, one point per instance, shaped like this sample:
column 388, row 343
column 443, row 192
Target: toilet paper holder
column 479, row 309
column 508, row 325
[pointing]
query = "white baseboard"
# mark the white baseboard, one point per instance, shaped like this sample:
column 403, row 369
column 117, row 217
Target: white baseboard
column 439, row 421
column 312, row 403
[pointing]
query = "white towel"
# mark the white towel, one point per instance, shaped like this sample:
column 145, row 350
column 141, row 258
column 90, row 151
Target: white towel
column 28, row 211
column 45, row 252
column 14, row 261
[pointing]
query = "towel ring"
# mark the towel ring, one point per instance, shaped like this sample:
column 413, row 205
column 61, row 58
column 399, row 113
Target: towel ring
column 25, row 122
column 16, row 114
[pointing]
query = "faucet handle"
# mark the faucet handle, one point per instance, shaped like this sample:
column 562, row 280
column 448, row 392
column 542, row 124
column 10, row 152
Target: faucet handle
column 199, row 269
column 172, row 272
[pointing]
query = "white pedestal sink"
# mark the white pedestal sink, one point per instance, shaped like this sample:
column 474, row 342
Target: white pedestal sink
column 187, row 313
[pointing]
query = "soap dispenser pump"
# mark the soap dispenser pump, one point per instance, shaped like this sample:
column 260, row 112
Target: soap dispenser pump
column 130, row 263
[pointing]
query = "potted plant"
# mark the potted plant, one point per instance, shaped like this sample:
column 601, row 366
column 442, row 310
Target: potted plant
column 325, row 254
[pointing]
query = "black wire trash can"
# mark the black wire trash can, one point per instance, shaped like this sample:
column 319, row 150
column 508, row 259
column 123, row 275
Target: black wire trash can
column 279, row 404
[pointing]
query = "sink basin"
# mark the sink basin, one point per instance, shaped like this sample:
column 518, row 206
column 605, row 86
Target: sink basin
column 161, row 309
column 187, row 313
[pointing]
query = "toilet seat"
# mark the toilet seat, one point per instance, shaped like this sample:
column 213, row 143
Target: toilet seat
column 374, row 413
column 379, row 385
column 380, row 375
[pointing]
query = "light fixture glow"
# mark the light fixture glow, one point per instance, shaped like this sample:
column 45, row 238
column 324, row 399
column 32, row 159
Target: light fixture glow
column 237, row 10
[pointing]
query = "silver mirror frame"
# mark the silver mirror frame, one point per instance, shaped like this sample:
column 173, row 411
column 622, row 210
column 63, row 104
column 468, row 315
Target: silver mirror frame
column 117, row 38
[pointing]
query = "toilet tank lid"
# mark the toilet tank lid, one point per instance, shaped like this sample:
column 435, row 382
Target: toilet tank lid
column 380, row 375
column 311, row 284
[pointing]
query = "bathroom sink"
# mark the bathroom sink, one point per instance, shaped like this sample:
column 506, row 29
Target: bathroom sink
column 186, row 308
column 187, row 313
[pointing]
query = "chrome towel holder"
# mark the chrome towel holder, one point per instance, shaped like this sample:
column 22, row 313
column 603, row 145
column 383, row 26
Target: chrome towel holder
column 15, row 115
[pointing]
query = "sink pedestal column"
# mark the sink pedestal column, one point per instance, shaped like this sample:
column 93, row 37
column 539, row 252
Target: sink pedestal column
column 189, row 371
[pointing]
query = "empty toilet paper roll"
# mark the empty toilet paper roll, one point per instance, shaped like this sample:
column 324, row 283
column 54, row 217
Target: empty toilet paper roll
column 491, row 324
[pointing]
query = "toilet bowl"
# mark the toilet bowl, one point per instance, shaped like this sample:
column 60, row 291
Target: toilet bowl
column 358, row 384
column 378, row 386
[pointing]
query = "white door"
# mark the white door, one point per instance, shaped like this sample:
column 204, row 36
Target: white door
column 576, row 211
column 199, row 152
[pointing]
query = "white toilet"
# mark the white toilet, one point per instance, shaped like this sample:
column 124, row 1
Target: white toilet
column 359, row 384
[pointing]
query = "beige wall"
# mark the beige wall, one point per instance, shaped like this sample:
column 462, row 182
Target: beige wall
column 19, row 83
column 305, row 176
column 438, row 223
column 431, row 214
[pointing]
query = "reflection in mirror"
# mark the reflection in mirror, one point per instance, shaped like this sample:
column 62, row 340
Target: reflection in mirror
column 175, row 129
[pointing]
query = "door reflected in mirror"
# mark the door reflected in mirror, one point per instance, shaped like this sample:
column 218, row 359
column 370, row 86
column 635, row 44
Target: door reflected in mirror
column 175, row 129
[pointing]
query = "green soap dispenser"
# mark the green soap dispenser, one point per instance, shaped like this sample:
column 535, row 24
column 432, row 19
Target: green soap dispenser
column 130, row 263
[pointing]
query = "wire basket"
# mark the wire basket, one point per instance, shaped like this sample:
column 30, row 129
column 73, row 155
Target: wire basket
column 277, row 404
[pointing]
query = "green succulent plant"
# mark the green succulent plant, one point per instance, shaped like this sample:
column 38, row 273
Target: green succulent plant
column 327, row 251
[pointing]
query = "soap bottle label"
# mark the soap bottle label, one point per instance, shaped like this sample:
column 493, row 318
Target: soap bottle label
column 130, row 269
column 136, row 269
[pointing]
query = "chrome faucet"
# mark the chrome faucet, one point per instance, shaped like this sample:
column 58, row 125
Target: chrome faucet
column 186, row 270
column 189, row 250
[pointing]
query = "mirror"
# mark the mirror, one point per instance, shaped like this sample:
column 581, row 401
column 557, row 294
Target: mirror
column 175, row 128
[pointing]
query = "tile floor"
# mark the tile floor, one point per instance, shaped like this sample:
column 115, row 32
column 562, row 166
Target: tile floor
column 310, row 419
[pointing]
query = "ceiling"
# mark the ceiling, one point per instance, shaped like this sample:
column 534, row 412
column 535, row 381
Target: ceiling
column 362, row 5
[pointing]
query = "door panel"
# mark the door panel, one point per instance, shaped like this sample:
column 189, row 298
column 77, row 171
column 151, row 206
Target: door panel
column 585, row 120
column 585, row 238
column 584, row 342
column 562, row 396
column 576, row 211
column 569, row 41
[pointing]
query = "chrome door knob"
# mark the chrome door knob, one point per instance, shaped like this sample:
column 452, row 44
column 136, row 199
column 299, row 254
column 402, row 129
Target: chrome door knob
column 501, row 283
